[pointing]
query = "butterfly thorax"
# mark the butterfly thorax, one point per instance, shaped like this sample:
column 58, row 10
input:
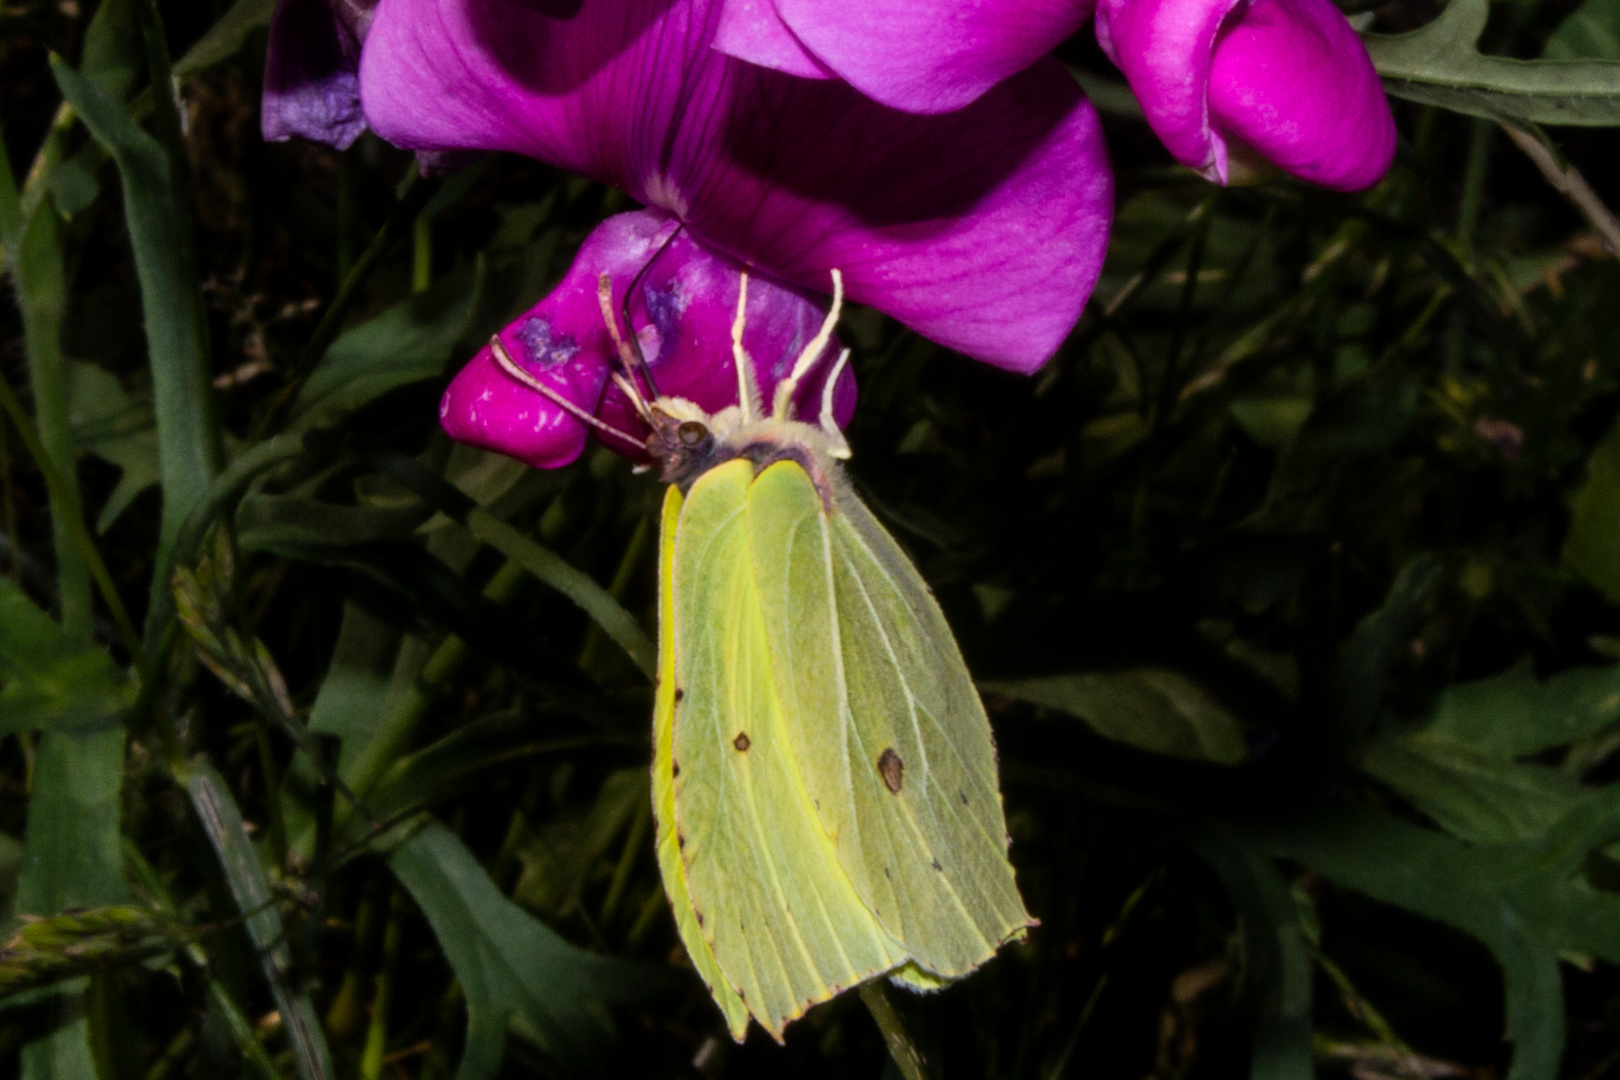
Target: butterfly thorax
column 687, row 442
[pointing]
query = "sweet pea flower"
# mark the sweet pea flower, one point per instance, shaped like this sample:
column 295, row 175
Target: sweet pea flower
column 311, row 77
column 1223, row 83
column 683, row 304
column 983, row 229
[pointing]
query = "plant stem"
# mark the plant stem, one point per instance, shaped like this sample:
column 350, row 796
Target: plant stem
column 907, row 1058
column 1567, row 180
column 371, row 1062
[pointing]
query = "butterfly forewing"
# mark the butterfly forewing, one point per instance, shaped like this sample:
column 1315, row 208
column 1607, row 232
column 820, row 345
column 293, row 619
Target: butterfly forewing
column 663, row 786
column 898, row 758
column 780, row 914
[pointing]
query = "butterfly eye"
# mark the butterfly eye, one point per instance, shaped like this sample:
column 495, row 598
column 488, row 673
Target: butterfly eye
column 691, row 433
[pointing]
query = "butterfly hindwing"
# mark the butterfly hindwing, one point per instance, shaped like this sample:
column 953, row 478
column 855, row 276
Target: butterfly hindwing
column 773, row 903
column 897, row 753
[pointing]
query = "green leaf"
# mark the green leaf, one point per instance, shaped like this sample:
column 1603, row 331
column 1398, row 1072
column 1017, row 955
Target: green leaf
column 222, row 821
column 1149, row 708
column 296, row 526
column 1369, row 651
column 453, row 762
column 1440, row 65
column 113, row 57
column 171, row 300
column 226, row 37
column 513, row 968
column 1470, row 795
column 1591, row 33
column 1277, row 960
column 40, row 280
column 117, row 427
column 409, row 342
column 48, row 680
column 1522, row 900
column 1592, row 548
column 1513, row 715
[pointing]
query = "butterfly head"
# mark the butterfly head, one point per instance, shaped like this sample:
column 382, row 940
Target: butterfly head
column 685, row 440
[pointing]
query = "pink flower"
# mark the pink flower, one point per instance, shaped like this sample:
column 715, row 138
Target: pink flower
column 683, row 308
column 983, row 229
column 1286, row 81
column 1224, row 80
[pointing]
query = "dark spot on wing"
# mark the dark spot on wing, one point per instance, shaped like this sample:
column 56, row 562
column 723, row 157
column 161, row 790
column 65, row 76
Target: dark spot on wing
column 963, row 796
column 679, row 693
column 742, row 742
column 674, row 768
column 699, row 915
column 680, row 839
column 892, row 769
column 937, row 866
column 886, row 871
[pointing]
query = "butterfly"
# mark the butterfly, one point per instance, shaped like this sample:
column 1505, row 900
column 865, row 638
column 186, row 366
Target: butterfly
column 824, row 777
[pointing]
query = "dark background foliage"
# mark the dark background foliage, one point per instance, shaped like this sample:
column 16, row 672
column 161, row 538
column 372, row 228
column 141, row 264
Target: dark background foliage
column 1291, row 582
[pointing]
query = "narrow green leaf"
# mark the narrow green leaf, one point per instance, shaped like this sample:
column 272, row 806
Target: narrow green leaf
column 407, row 343
column 1276, row 952
column 443, row 767
column 71, row 858
column 117, row 427
column 1149, row 708
column 513, row 968
column 1441, row 65
column 1514, row 715
column 11, row 215
column 171, row 301
column 1591, row 32
column 72, row 525
column 39, row 277
column 1592, row 547
column 1368, row 652
column 113, row 57
column 551, row 568
column 226, row 37
column 1472, row 796
column 222, row 821
column 50, row 681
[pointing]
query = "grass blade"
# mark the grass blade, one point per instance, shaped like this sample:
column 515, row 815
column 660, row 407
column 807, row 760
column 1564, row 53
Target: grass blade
column 171, row 300
column 222, row 821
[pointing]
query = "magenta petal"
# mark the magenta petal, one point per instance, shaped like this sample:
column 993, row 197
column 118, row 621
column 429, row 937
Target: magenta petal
column 983, row 229
column 682, row 312
column 311, row 80
column 1289, row 79
column 1292, row 80
column 929, row 56
column 751, row 30
column 563, row 342
column 1164, row 48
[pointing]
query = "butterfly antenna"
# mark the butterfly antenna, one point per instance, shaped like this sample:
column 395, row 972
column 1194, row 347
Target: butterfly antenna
column 624, row 309
column 785, row 390
column 627, row 359
column 829, row 422
column 747, row 392
column 510, row 366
